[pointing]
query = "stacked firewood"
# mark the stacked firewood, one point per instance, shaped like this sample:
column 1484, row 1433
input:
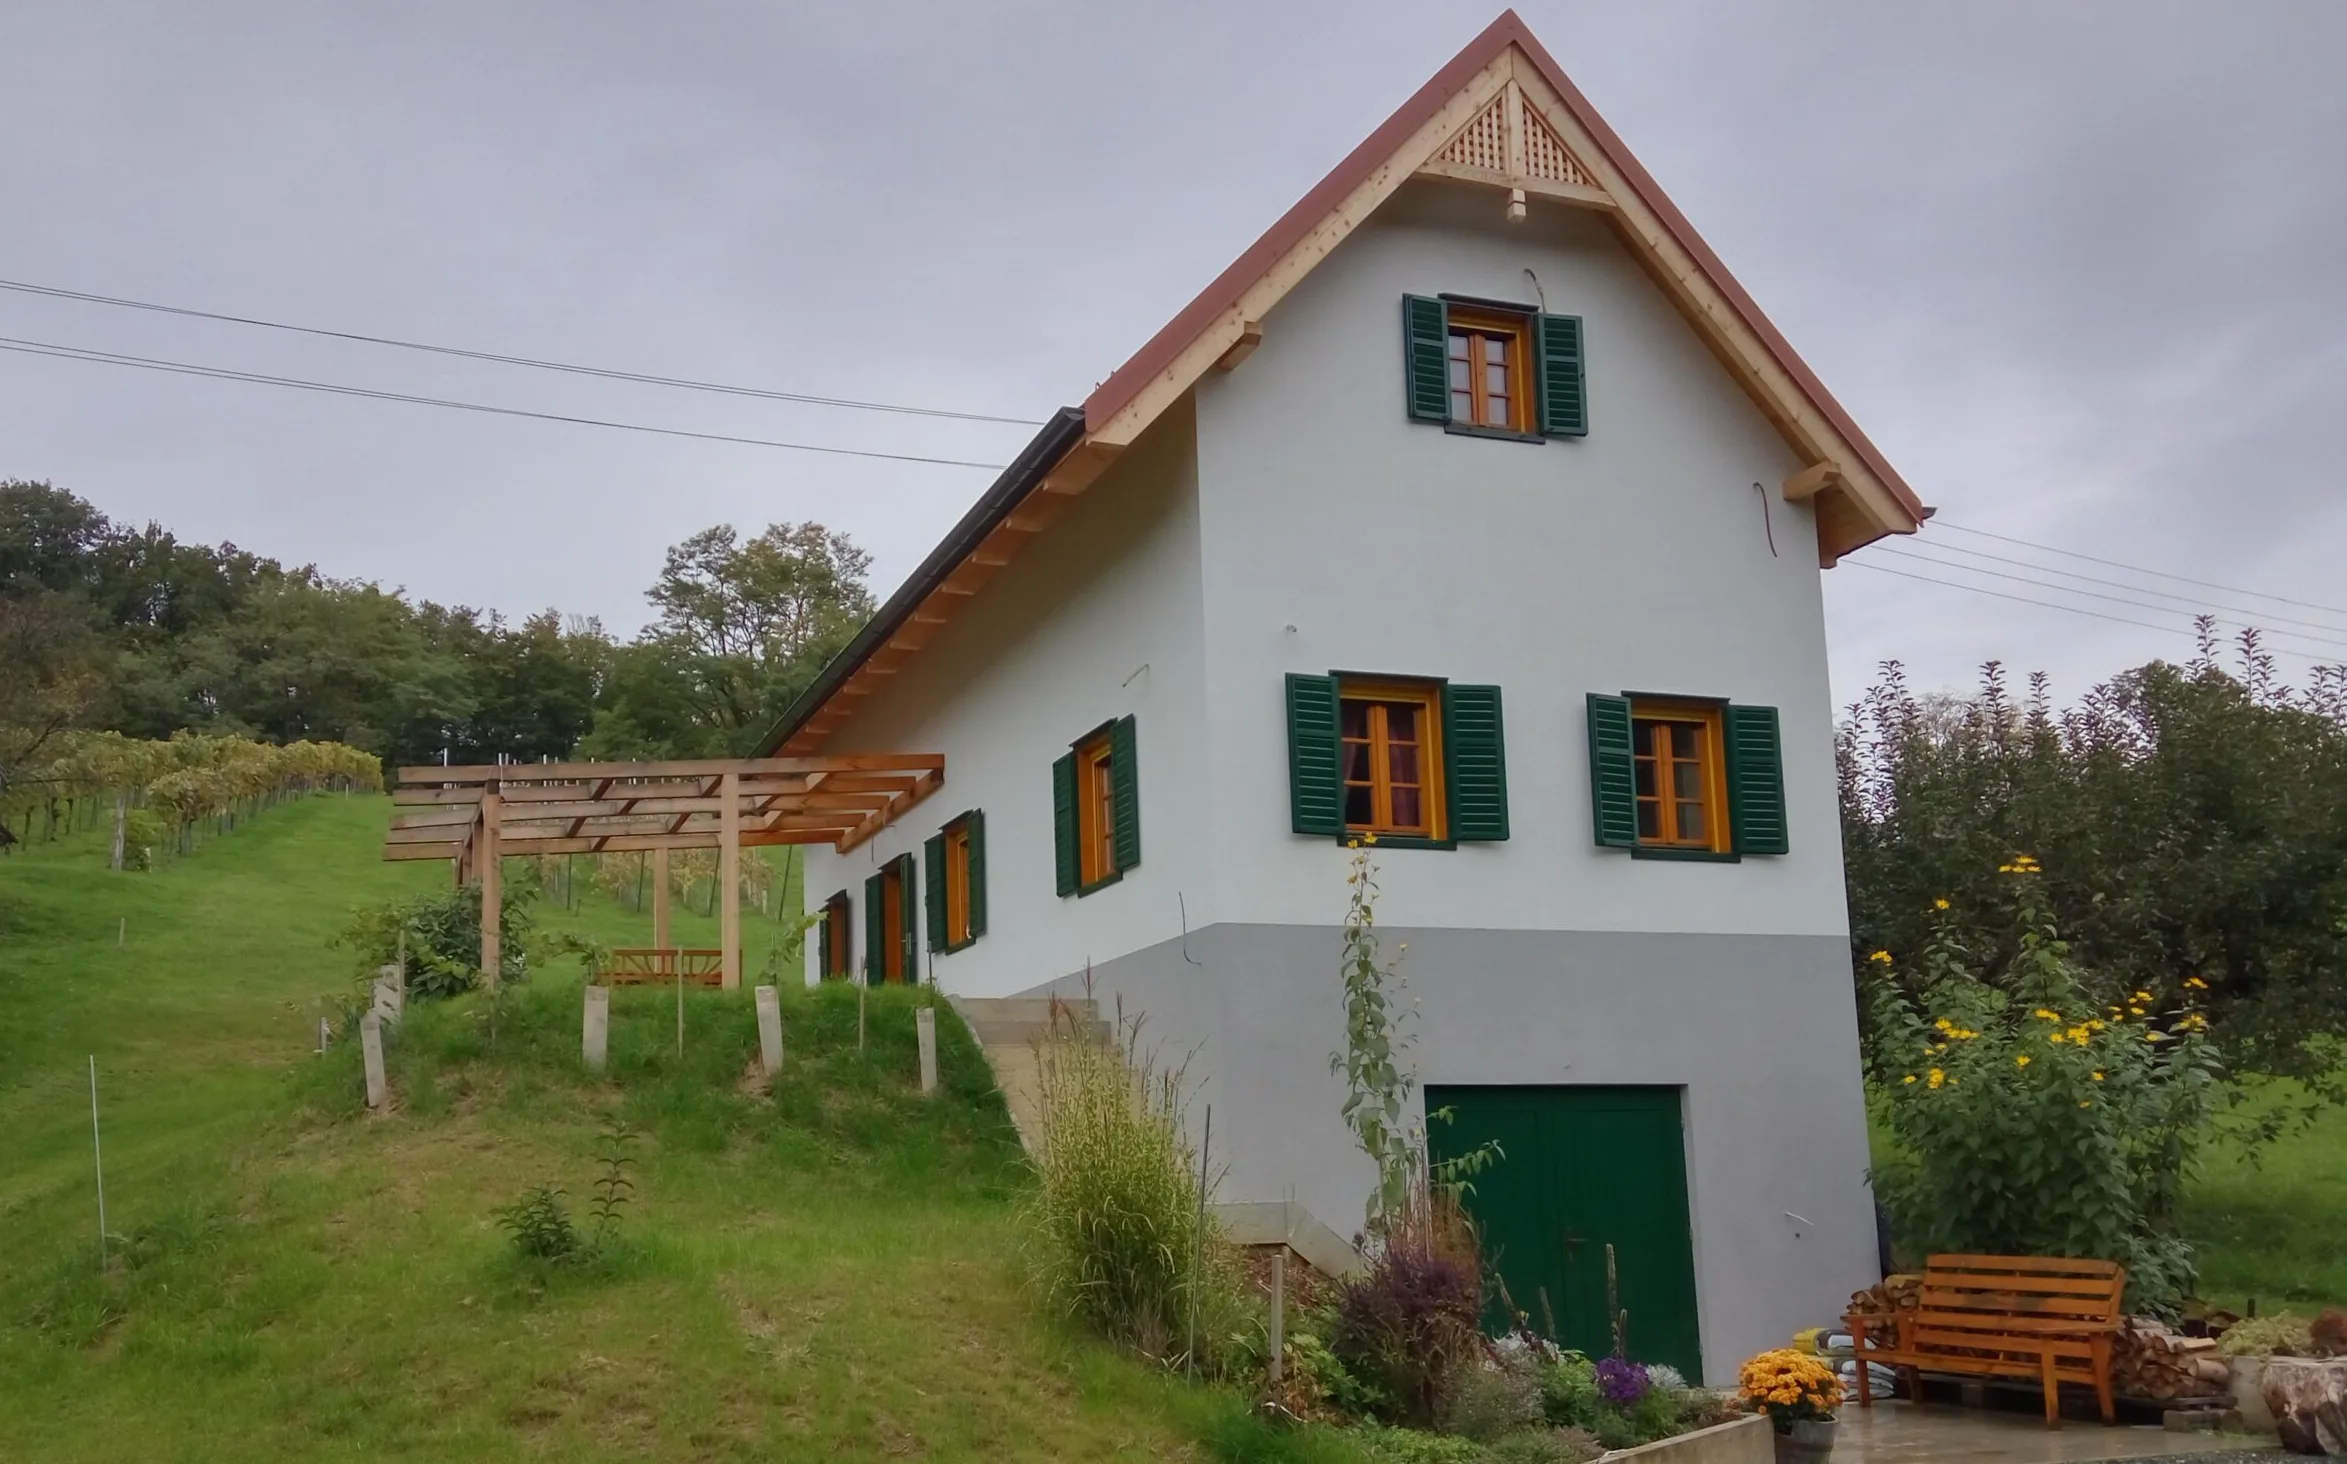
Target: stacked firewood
column 2150, row 1361
column 1891, row 1295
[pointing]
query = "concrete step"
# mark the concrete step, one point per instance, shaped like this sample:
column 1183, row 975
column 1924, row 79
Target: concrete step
column 1006, row 1029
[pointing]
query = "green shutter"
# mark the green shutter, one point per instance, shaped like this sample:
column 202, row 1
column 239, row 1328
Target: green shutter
column 909, row 930
column 1063, row 822
column 1426, row 363
column 875, row 933
column 1756, row 781
column 975, row 822
column 1564, row 380
column 1316, row 795
column 1475, row 763
column 1613, row 772
column 1124, row 777
column 823, row 944
column 933, row 867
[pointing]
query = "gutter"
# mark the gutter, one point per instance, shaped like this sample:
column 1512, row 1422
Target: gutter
column 1041, row 454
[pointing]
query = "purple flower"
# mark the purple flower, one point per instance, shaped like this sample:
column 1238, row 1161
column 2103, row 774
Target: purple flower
column 1621, row 1382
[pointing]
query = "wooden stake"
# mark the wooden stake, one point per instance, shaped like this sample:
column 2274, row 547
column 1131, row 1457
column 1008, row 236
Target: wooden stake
column 492, row 892
column 680, row 1010
column 98, row 1159
column 925, row 1034
column 1279, row 1310
column 729, row 877
column 659, row 899
column 121, row 931
column 860, row 988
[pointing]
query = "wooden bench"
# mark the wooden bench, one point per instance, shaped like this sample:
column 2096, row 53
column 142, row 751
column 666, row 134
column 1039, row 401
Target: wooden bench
column 2003, row 1316
column 643, row 966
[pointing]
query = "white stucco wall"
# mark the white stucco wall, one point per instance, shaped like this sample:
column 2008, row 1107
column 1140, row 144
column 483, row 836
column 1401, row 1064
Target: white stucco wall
column 1337, row 534
column 1099, row 618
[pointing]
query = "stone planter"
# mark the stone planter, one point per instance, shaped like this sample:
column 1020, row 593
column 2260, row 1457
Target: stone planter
column 1806, row 1441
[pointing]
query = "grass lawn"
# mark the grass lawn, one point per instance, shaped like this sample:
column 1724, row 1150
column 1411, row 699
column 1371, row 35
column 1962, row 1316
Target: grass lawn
column 830, row 1270
column 2276, row 1229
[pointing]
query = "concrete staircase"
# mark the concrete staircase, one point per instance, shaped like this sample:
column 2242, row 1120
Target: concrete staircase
column 1007, row 1028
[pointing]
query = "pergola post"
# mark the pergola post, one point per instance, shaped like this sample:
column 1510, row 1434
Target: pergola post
column 729, row 876
column 492, row 889
column 660, row 900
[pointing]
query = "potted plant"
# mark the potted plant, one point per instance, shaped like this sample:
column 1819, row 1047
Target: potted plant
column 1798, row 1392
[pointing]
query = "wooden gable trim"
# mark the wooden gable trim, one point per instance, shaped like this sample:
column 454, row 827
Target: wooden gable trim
column 1491, row 85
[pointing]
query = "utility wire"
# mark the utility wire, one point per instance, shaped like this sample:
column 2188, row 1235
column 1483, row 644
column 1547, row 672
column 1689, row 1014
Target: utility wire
column 686, row 383
column 220, row 373
column 2115, row 599
column 2071, row 574
column 1941, row 523
column 2071, row 609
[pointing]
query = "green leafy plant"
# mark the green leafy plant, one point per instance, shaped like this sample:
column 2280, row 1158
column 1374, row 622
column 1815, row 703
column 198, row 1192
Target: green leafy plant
column 2281, row 1334
column 539, row 1225
column 439, row 936
column 613, row 1189
column 2032, row 1120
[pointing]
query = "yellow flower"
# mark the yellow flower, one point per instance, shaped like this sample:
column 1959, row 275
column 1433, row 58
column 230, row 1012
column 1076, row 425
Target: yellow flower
column 1938, row 1077
column 1910, row 1077
column 2078, row 1035
column 1941, row 903
column 1370, row 839
column 2196, row 983
column 2082, row 1103
column 2143, row 996
column 2056, row 1038
column 2022, row 1060
column 2155, row 1035
column 2098, row 1077
column 1882, row 956
column 2135, row 1011
column 2047, row 1014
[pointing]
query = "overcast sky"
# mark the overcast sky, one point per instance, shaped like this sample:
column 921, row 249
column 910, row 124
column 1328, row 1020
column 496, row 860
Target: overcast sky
column 2076, row 268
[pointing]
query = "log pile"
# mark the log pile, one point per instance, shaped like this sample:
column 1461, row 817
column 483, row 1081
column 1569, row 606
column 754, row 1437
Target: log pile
column 1891, row 1295
column 2150, row 1361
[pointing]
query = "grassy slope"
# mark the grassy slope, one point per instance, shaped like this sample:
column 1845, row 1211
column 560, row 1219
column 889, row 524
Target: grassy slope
column 830, row 1271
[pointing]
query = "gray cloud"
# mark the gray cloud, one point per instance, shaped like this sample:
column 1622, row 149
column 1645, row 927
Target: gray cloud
column 2074, row 267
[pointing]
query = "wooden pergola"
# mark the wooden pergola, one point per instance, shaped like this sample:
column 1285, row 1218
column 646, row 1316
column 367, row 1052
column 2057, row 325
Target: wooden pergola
column 477, row 816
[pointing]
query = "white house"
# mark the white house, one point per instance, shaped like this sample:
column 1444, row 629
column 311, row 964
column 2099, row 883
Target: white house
column 1477, row 507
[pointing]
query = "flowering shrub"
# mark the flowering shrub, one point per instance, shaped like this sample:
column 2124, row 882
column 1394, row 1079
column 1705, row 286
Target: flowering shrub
column 1621, row 1382
column 2033, row 1119
column 1789, row 1387
column 1408, row 1325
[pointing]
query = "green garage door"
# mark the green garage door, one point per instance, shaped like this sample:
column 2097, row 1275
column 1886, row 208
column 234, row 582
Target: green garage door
column 1584, row 1168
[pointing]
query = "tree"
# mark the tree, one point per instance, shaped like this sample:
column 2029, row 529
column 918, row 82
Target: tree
column 745, row 625
column 50, row 685
column 2192, row 825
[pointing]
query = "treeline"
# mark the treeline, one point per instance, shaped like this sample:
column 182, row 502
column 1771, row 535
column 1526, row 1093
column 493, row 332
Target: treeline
column 2190, row 822
column 106, row 626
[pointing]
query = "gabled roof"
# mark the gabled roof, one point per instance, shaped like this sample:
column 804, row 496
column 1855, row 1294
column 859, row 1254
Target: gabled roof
column 1502, row 116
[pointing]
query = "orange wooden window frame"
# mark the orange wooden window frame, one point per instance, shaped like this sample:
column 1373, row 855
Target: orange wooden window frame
column 957, row 884
column 1711, row 754
column 1095, row 812
column 1428, row 699
column 1478, row 327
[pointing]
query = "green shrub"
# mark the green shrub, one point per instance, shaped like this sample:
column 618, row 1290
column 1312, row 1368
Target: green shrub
column 2033, row 1119
column 440, row 934
column 1487, row 1401
column 1414, row 1446
column 2283, row 1334
column 1547, row 1446
column 1115, row 1225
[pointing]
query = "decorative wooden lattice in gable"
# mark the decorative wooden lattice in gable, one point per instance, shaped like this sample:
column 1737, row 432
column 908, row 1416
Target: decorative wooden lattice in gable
column 1510, row 145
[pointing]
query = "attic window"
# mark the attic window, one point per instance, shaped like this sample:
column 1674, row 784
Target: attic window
column 1487, row 375
column 1489, row 367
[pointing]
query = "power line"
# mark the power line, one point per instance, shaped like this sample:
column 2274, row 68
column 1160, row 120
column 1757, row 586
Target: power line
column 685, row 383
column 220, row 373
column 2070, row 609
column 2115, row 599
column 2069, row 574
column 1940, row 523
